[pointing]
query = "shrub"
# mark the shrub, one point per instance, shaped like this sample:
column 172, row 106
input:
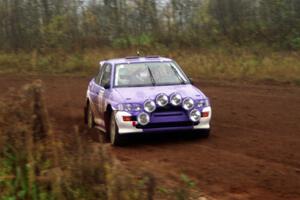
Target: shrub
column 226, row 63
column 38, row 164
column 295, row 43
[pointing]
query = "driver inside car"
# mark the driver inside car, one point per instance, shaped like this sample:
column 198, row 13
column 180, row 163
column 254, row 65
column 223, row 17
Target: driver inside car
column 141, row 77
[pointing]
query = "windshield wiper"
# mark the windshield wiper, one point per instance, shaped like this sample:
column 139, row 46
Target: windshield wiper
column 151, row 75
column 177, row 74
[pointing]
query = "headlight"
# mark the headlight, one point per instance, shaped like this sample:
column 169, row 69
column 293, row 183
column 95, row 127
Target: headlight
column 143, row 119
column 207, row 103
column 203, row 103
column 162, row 100
column 136, row 107
column 176, row 99
column 149, row 106
column 188, row 103
column 129, row 107
column 195, row 115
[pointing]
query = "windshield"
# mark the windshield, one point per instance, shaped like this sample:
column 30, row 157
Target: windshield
column 149, row 74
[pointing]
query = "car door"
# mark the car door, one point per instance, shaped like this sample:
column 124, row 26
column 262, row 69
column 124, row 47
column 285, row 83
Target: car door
column 94, row 90
column 104, row 87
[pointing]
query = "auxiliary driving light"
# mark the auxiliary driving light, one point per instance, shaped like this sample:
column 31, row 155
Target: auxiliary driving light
column 195, row 115
column 162, row 100
column 188, row 103
column 143, row 119
column 176, row 99
column 149, row 106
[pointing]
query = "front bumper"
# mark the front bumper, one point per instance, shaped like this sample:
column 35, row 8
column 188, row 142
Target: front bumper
column 163, row 122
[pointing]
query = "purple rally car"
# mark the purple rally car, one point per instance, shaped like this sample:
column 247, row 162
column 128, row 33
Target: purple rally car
column 145, row 94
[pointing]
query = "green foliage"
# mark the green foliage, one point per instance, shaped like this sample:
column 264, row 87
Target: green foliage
column 35, row 164
column 187, row 181
column 75, row 64
column 57, row 32
column 143, row 40
column 15, row 62
column 20, row 158
column 228, row 62
column 120, row 43
column 295, row 43
column 68, row 24
column 183, row 193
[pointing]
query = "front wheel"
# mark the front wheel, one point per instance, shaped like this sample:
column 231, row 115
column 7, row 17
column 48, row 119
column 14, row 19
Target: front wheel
column 115, row 138
column 201, row 133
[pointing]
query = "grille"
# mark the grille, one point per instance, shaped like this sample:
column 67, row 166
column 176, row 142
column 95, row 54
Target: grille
column 167, row 125
column 169, row 108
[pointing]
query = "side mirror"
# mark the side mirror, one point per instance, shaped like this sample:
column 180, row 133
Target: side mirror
column 106, row 86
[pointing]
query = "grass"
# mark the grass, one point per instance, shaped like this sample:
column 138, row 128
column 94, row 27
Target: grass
column 241, row 64
column 37, row 163
column 223, row 63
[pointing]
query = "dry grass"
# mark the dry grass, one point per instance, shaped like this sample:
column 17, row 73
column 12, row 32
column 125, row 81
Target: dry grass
column 223, row 63
column 241, row 64
column 35, row 163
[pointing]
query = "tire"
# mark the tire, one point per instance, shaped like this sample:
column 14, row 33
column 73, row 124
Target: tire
column 85, row 113
column 202, row 133
column 115, row 138
column 205, row 133
column 89, row 117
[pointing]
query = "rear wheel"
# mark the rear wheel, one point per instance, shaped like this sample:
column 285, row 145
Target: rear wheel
column 115, row 138
column 90, row 118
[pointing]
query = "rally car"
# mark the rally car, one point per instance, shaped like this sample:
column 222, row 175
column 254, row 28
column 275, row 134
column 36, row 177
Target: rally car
column 150, row 94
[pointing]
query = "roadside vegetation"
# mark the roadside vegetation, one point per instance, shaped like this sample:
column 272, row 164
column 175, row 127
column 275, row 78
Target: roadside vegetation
column 224, row 63
column 229, row 39
column 210, row 39
column 36, row 163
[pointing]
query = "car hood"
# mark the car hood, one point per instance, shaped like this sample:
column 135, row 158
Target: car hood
column 140, row 94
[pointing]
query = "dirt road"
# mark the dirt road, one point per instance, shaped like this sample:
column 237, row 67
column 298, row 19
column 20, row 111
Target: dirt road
column 253, row 152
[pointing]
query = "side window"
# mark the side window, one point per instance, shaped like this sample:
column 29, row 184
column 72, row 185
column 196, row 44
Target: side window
column 105, row 79
column 98, row 77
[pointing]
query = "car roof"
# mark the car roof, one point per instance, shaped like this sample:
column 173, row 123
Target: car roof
column 136, row 59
